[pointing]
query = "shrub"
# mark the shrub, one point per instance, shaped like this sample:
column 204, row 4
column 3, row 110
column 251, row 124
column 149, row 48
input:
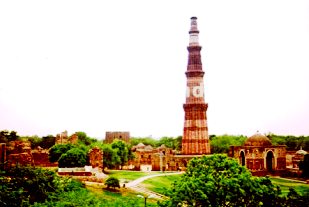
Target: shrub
column 73, row 158
column 112, row 182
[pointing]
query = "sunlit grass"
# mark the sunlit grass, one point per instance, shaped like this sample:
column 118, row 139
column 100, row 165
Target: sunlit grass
column 160, row 184
column 286, row 184
column 128, row 175
column 120, row 197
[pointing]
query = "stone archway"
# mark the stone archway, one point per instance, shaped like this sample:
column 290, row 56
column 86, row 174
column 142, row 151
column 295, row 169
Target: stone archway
column 270, row 161
column 242, row 158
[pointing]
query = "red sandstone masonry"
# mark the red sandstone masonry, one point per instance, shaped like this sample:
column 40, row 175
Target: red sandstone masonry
column 195, row 134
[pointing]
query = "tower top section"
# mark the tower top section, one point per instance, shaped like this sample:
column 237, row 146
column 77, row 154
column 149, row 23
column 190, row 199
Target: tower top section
column 193, row 33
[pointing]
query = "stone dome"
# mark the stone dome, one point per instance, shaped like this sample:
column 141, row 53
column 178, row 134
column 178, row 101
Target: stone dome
column 301, row 152
column 258, row 140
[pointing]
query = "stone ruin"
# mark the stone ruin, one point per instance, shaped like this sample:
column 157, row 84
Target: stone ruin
column 92, row 173
column 19, row 153
column 63, row 138
column 96, row 158
column 111, row 136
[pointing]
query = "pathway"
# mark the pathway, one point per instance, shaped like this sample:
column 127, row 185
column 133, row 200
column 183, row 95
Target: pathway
column 135, row 185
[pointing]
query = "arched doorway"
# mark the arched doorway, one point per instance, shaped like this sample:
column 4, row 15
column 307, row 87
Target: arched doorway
column 269, row 161
column 242, row 158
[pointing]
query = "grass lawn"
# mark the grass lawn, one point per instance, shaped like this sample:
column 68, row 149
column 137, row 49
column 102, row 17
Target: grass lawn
column 160, row 184
column 128, row 175
column 121, row 197
column 286, row 184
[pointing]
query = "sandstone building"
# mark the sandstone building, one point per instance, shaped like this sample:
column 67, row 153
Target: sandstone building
column 195, row 139
column 260, row 156
column 111, row 136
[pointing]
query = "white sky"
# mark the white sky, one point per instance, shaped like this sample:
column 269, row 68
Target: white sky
column 98, row 66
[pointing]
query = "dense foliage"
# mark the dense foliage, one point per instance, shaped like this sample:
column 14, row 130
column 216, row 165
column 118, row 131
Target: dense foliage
column 29, row 186
column 75, row 157
column 110, row 157
column 220, row 181
column 170, row 142
column 221, row 144
column 84, row 139
column 7, row 136
column 292, row 142
column 22, row 186
column 57, row 150
column 122, row 151
column 112, row 182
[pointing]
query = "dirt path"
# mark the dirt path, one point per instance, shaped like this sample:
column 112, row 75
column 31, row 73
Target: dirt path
column 135, row 185
column 141, row 179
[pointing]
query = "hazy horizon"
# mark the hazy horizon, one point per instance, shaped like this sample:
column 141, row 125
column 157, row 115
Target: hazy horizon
column 120, row 66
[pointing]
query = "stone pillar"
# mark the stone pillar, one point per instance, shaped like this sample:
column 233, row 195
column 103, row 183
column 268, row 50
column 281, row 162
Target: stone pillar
column 195, row 139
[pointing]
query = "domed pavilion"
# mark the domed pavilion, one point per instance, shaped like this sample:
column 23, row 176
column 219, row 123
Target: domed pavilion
column 260, row 156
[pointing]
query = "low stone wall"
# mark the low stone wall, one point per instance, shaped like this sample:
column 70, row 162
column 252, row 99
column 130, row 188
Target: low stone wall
column 73, row 169
column 76, row 173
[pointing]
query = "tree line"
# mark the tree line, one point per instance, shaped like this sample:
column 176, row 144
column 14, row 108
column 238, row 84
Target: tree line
column 218, row 143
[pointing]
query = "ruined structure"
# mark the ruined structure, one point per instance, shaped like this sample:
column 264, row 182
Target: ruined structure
column 2, row 155
column 195, row 139
column 260, row 156
column 298, row 157
column 63, row 138
column 40, row 157
column 111, row 136
column 148, row 158
column 19, row 153
column 96, row 158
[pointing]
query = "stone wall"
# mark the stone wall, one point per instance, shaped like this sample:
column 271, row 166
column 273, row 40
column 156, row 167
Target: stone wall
column 96, row 158
column 111, row 136
column 63, row 138
column 2, row 155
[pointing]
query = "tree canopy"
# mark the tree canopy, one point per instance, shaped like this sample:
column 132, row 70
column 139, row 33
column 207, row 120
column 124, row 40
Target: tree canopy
column 84, row 139
column 112, row 182
column 7, row 136
column 220, row 181
column 110, row 157
column 75, row 157
column 57, row 150
column 122, row 151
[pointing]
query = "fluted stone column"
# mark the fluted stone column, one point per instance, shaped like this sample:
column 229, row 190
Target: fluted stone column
column 195, row 139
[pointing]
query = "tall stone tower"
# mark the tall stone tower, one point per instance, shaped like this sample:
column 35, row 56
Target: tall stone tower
column 195, row 139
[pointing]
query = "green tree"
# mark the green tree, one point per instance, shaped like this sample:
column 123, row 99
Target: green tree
column 34, row 140
column 220, row 181
column 57, row 150
column 84, row 139
column 47, row 141
column 7, row 136
column 110, row 157
column 171, row 142
column 221, row 144
column 122, row 150
column 23, row 185
column 144, row 140
column 75, row 157
column 112, row 182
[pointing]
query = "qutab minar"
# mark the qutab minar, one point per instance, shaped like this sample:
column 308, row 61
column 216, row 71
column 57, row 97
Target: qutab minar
column 195, row 139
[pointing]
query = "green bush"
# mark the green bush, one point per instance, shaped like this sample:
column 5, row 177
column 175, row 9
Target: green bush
column 21, row 186
column 73, row 158
column 57, row 150
column 112, row 182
